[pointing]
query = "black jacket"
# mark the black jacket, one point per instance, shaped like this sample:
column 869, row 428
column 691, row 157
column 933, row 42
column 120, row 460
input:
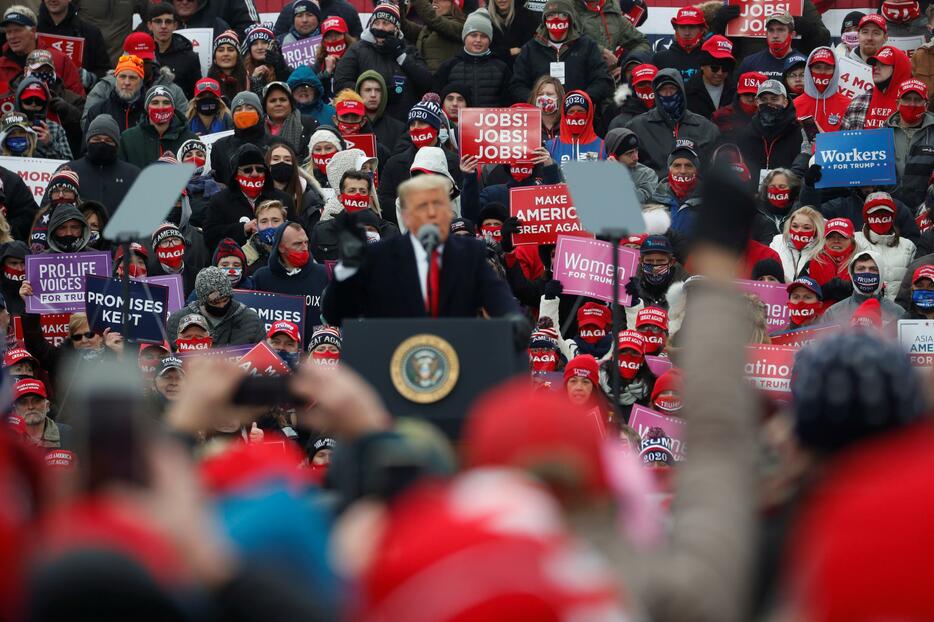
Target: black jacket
column 20, row 205
column 851, row 206
column 309, row 282
column 106, row 184
column 235, row 14
column 183, row 61
column 778, row 148
column 240, row 326
column 396, row 171
column 340, row 8
column 10, row 289
column 388, row 130
column 95, row 58
column 322, row 241
column 387, row 284
column 126, row 114
column 486, row 76
column 699, row 100
column 516, row 35
column 225, row 148
column 688, row 63
column 584, row 68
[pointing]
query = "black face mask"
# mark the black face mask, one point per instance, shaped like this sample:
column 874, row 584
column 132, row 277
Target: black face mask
column 281, row 172
column 207, row 106
column 68, row 243
column 770, row 116
column 102, row 153
column 218, row 311
column 379, row 35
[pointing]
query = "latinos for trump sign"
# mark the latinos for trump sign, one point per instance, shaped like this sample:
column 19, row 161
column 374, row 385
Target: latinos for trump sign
column 856, row 158
column 545, row 212
column 585, row 267
column 145, row 319
column 917, row 338
column 274, row 307
column 753, row 15
column 768, row 368
column 500, row 135
column 57, row 280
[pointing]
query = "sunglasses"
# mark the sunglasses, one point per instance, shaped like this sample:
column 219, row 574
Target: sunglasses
column 89, row 335
column 719, row 69
column 34, row 101
column 252, row 170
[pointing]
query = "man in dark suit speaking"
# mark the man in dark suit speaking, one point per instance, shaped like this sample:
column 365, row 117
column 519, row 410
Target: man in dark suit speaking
column 425, row 273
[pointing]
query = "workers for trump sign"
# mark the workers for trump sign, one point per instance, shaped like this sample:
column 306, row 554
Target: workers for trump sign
column 57, row 280
column 545, row 212
column 500, row 135
column 585, row 267
column 753, row 15
column 856, row 158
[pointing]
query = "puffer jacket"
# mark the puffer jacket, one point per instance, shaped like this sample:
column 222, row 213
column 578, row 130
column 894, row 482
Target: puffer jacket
column 409, row 81
column 95, row 58
column 657, row 133
column 104, row 88
column 584, row 67
column 893, row 260
column 914, row 158
column 795, row 262
column 437, row 38
column 828, row 107
column 241, row 325
column 487, row 76
column 843, row 311
column 699, row 99
column 397, row 170
column 386, row 128
column 608, row 27
column 142, row 145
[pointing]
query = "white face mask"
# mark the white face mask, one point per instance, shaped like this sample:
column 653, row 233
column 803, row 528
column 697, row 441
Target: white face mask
column 850, row 39
column 372, row 237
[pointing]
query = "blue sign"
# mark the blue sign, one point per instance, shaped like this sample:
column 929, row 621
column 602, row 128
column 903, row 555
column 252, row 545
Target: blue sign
column 856, row 158
column 147, row 311
column 274, row 307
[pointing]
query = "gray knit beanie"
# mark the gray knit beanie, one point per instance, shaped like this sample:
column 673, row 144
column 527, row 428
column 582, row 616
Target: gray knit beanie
column 156, row 91
column 210, row 280
column 247, row 98
column 104, row 125
column 478, row 21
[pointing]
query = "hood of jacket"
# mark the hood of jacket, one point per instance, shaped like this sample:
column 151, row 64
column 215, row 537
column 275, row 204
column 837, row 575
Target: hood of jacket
column 809, row 86
column 433, row 160
column 875, row 257
column 274, row 262
column 369, row 74
column 15, row 249
column 666, row 75
column 62, row 214
column 340, row 163
column 901, row 71
column 25, row 83
column 559, row 6
column 304, row 74
column 246, row 154
column 588, row 135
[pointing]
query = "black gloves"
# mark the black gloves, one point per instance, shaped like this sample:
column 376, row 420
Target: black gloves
column 393, row 47
column 724, row 14
column 813, row 175
column 553, row 289
column 726, row 211
column 510, row 225
column 521, row 331
column 632, row 288
column 837, row 289
column 351, row 243
column 804, row 27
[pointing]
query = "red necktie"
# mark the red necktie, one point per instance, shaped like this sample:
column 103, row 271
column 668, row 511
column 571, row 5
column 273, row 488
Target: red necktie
column 434, row 284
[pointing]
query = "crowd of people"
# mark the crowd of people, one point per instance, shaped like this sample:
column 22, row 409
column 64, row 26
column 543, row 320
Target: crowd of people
column 160, row 481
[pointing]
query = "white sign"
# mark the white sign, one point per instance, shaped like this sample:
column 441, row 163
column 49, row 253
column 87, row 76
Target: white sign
column 917, row 338
column 35, row 172
column 855, row 77
column 906, row 44
column 201, row 41
column 210, row 139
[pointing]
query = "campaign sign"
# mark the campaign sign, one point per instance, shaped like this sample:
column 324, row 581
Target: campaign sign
column 301, row 52
column 585, row 268
column 768, row 368
column 799, row 338
column 274, row 307
column 775, row 298
column 642, row 419
column 210, row 139
column 57, row 280
column 753, row 15
column 658, row 365
column 145, row 319
column 364, row 142
column 545, row 212
column 262, row 361
column 500, row 135
column 906, row 44
column 174, row 283
column 856, row 158
column 72, row 47
column 35, row 172
column 201, row 42
column 551, row 380
column 54, row 327
column 230, row 353
column 917, row 338
column 855, row 77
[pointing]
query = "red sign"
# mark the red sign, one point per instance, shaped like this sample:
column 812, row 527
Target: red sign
column 262, row 361
column 72, row 47
column 364, row 142
column 768, row 368
column 55, row 327
column 546, row 212
column 754, row 13
column 799, row 338
column 500, row 135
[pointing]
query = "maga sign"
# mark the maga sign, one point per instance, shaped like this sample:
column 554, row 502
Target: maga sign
column 500, row 135
column 856, row 158
column 545, row 212
column 585, row 267
column 753, row 15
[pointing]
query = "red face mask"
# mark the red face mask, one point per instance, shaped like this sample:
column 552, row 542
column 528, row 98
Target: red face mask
column 900, row 14
column 645, row 94
column 801, row 312
column 797, row 89
column 251, row 186
column 557, row 27
column 689, row 43
column 839, row 254
column 821, row 81
column 521, row 172
column 198, row 162
column 327, row 359
column 354, row 202
column 297, row 259
column 349, row 128
column 335, row 48
column 136, row 271
column 629, row 365
column 654, row 342
column 576, row 122
column 668, row 405
column 592, row 335
column 779, row 197
column 880, row 223
column 492, row 233
column 158, row 116
column 321, row 161
column 780, row 49
column 14, row 274
column 749, row 109
column 543, row 360
column 682, row 185
column 424, row 137
column 194, row 343
column 170, row 256
column 800, row 239
column 912, row 113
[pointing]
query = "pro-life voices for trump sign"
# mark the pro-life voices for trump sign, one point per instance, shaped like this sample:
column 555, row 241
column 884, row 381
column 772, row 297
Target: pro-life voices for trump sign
column 856, row 158
column 585, row 268
column 500, row 135
column 57, row 280
column 545, row 213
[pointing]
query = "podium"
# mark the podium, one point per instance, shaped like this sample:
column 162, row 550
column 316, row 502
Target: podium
column 432, row 369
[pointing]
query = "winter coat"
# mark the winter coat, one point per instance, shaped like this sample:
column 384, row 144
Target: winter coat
column 94, row 58
column 104, row 89
column 764, row 62
column 768, row 221
column 107, row 184
column 893, row 260
column 341, row 8
column 619, row 116
column 851, row 206
column 914, row 158
column 487, row 77
column 11, row 69
column 609, row 28
column 228, row 206
column 794, row 262
column 437, row 38
column 676, row 57
column 730, row 119
column 183, row 61
column 524, row 24
column 237, row 15
column 826, row 108
column 825, row 267
column 324, row 236
column 197, row 255
column 645, row 181
column 408, row 81
column 656, row 131
column 871, row 110
column 57, row 148
column 240, row 326
column 126, row 114
column 20, row 205
column 296, row 130
column 319, row 111
column 765, row 151
column 843, row 311
column 396, row 171
column 114, row 19
column 200, row 190
column 224, row 149
column 309, row 281
column 699, row 99
column 386, row 128
column 8, row 287
column 142, row 145
column 584, row 67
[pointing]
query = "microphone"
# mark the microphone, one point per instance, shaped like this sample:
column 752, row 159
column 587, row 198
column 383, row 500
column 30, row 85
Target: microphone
column 429, row 236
